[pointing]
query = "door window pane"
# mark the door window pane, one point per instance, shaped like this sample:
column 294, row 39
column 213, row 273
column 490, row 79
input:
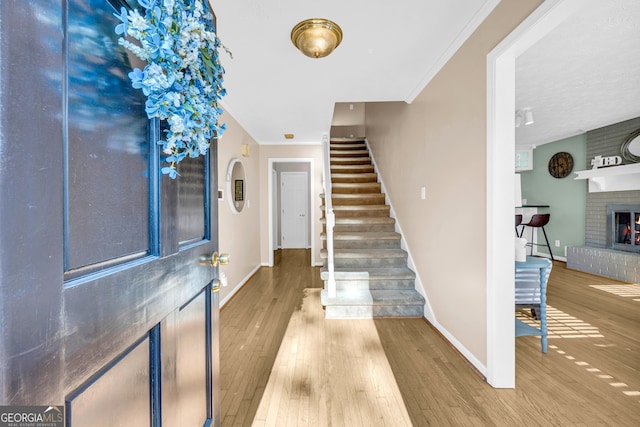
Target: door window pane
column 191, row 200
column 107, row 152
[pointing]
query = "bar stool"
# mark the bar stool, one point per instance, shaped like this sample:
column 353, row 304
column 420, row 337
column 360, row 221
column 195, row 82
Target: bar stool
column 518, row 222
column 539, row 221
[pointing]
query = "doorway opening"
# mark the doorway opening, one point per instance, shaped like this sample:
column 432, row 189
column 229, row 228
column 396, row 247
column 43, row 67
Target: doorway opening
column 296, row 198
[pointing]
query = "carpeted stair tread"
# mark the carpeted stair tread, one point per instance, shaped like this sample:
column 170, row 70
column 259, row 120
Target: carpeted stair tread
column 340, row 161
column 347, row 147
column 348, row 178
column 370, row 273
column 356, row 187
column 348, row 153
column 341, row 168
column 341, row 235
column 374, row 297
column 351, row 211
column 362, row 208
column 365, row 253
column 364, row 221
column 339, row 199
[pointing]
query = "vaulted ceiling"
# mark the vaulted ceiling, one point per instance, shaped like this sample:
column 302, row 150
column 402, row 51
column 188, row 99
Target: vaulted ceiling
column 584, row 75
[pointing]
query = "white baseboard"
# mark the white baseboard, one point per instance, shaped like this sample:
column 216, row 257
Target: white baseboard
column 462, row 349
column 239, row 285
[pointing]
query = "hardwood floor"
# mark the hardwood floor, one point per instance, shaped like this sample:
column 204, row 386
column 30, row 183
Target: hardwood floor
column 283, row 364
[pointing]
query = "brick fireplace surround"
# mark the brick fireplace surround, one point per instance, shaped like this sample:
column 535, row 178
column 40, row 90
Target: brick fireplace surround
column 595, row 257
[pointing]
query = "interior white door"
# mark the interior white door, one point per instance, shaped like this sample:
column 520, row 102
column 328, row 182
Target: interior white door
column 294, row 210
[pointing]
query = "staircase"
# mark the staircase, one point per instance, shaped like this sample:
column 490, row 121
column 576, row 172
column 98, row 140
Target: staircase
column 371, row 273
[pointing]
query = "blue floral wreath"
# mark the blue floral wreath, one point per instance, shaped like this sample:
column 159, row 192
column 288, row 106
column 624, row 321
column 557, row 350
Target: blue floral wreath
column 183, row 76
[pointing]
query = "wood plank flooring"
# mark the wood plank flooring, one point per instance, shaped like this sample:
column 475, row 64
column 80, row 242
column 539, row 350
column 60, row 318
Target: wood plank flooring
column 283, row 364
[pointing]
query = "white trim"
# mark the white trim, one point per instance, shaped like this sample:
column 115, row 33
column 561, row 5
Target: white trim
column 462, row 349
column 239, row 286
column 428, row 311
column 500, row 185
column 466, row 32
column 312, row 214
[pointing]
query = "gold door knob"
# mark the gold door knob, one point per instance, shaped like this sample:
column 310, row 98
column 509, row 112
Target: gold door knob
column 214, row 260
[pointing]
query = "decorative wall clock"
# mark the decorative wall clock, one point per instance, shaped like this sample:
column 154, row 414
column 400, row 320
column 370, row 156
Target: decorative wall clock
column 560, row 165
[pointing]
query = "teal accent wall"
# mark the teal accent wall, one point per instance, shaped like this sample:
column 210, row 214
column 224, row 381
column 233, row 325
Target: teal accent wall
column 566, row 197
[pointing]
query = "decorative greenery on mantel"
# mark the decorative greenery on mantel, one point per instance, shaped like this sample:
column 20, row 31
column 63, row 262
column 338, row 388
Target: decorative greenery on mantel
column 183, row 77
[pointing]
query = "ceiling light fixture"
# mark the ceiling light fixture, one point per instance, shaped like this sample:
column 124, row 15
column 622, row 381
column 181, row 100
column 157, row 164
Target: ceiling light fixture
column 316, row 37
column 528, row 117
column 524, row 116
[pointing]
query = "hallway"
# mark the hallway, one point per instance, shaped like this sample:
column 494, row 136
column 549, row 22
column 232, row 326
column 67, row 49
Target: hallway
column 283, row 364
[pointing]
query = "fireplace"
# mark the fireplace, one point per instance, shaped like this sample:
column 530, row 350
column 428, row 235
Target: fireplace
column 623, row 227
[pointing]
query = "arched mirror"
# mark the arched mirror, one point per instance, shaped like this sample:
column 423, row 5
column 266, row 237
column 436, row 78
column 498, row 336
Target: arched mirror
column 236, row 185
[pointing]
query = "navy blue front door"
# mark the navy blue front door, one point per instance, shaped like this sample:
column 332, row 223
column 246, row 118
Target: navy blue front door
column 103, row 305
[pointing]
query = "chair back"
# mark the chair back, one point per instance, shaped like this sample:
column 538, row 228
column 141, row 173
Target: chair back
column 518, row 219
column 531, row 281
column 539, row 220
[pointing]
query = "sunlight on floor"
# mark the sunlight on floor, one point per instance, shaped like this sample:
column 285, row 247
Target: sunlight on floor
column 561, row 324
column 330, row 372
column 628, row 291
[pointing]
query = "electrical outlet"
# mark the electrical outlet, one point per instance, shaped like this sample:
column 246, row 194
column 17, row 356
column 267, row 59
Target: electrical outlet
column 557, row 243
column 423, row 193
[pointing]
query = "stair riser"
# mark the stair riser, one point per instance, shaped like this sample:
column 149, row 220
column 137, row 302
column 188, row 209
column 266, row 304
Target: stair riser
column 357, row 188
column 352, row 169
column 354, row 228
column 369, row 262
column 374, row 213
column 350, row 161
column 348, row 147
column 348, row 153
column 341, row 199
column 364, row 244
column 367, row 285
column 364, row 312
column 373, row 199
column 362, row 178
column 351, row 214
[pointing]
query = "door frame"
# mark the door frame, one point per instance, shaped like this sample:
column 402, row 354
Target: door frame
column 500, row 372
column 272, row 195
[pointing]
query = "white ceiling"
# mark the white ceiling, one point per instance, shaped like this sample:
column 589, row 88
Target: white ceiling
column 389, row 52
column 584, row 75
